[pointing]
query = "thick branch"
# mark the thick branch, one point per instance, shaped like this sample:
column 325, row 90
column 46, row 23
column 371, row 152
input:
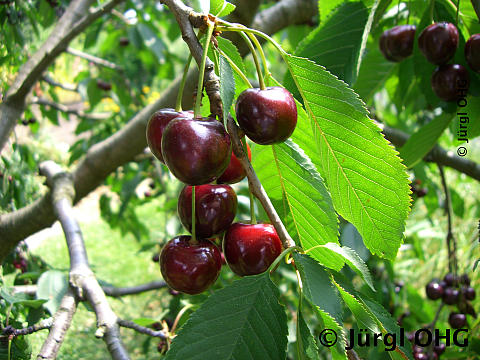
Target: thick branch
column 72, row 23
column 437, row 154
column 67, row 110
column 256, row 186
column 141, row 329
column 82, row 278
column 100, row 160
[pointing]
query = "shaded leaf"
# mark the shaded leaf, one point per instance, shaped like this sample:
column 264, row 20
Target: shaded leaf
column 52, row 285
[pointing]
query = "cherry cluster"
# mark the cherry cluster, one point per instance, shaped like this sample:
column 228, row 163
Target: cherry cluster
column 423, row 353
column 198, row 152
column 456, row 291
column 438, row 42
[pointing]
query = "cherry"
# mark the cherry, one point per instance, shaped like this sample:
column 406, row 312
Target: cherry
column 469, row 293
column 156, row 257
column 421, row 356
column 197, row 151
column 234, row 171
column 450, row 81
column 449, row 279
column 434, row 290
column 251, row 248
column 123, row 41
column 267, row 116
column 106, row 86
column 440, row 348
column 396, row 43
column 464, row 279
column 156, row 125
column 190, row 267
column 457, row 320
column 215, row 208
column 472, row 52
column 451, row 296
column 438, row 42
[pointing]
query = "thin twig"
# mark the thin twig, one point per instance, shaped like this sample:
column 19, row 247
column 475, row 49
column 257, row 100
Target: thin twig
column 142, row 329
column 451, row 243
column 122, row 291
column 68, row 110
column 94, row 59
column 42, row 325
column 52, row 82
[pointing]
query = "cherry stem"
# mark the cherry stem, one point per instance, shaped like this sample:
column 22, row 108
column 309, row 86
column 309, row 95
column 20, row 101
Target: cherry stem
column 236, row 68
column 178, row 104
column 262, row 54
column 285, row 252
column 458, row 10
column 198, row 101
column 194, row 238
column 300, row 346
column 255, row 59
column 252, row 207
column 398, row 12
column 432, row 7
column 178, row 317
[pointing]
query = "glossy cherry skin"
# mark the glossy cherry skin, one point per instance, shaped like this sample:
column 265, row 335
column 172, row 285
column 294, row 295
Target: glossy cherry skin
column 267, row 116
column 434, row 290
column 215, row 208
column 472, row 52
column 234, row 173
column 457, row 320
column 197, row 151
column 251, row 248
column 188, row 267
column 450, row 82
column 156, row 125
column 396, row 43
column 438, row 42
column 451, row 296
column 469, row 293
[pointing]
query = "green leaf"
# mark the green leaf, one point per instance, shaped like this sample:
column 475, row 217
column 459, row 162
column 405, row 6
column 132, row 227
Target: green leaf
column 354, row 261
column 241, row 321
column 337, row 47
column 306, row 346
column 423, row 140
column 227, row 85
column 221, row 7
column 317, row 286
column 152, row 41
column 300, row 197
column 368, row 183
column 232, row 52
column 52, row 285
column 374, row 72
column 19, row 349
column 337, row 351
column 20, row 298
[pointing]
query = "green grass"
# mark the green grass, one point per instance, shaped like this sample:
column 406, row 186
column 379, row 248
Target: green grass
column 115, row 259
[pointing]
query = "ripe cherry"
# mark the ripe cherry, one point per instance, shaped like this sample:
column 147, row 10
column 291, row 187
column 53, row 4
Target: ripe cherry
column 234, row 172
column 451, row 296
column 124, row 41
column 157, row 124
column 438, row 42
column 102, row 84
column 449, row 279
column 190, row 267
column 469, row 293
column 464, row 279
column 197, row 151
column 450, row 82
column 215, row 208
column 472, row 52
column 267, row 116
column 251, row 248
column 434, row 290
column 440, row 348
column 396, row 43
column 457, row 320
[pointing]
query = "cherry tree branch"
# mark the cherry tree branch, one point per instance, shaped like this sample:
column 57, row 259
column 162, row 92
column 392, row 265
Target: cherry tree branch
column 68, row 110
column 75, row 19
column 82, row 279
column 101, row 159
column 256, row 186
column 142, row 329
column 52, row 82
column 94, row 59
column 42, row 325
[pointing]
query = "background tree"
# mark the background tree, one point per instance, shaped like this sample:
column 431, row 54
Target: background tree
column 335, row 189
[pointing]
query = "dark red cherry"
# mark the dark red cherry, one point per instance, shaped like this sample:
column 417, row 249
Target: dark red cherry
column 124, row 41
column 457, row 320
column 440, row 348
column 102, row 84
column 251, row 248
column 215, row 208
column 451, row 296
column 449, row 279
column 197, row 151
column 234, row 172
column 464, row 279
column 472, row 52
column 438, row 42
column 157, row 124
column 434, row 290
column 396, row 43
column 469, row 293
column 267, row 116
column 421, row 356
column 190, row 267
column 449, row 82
